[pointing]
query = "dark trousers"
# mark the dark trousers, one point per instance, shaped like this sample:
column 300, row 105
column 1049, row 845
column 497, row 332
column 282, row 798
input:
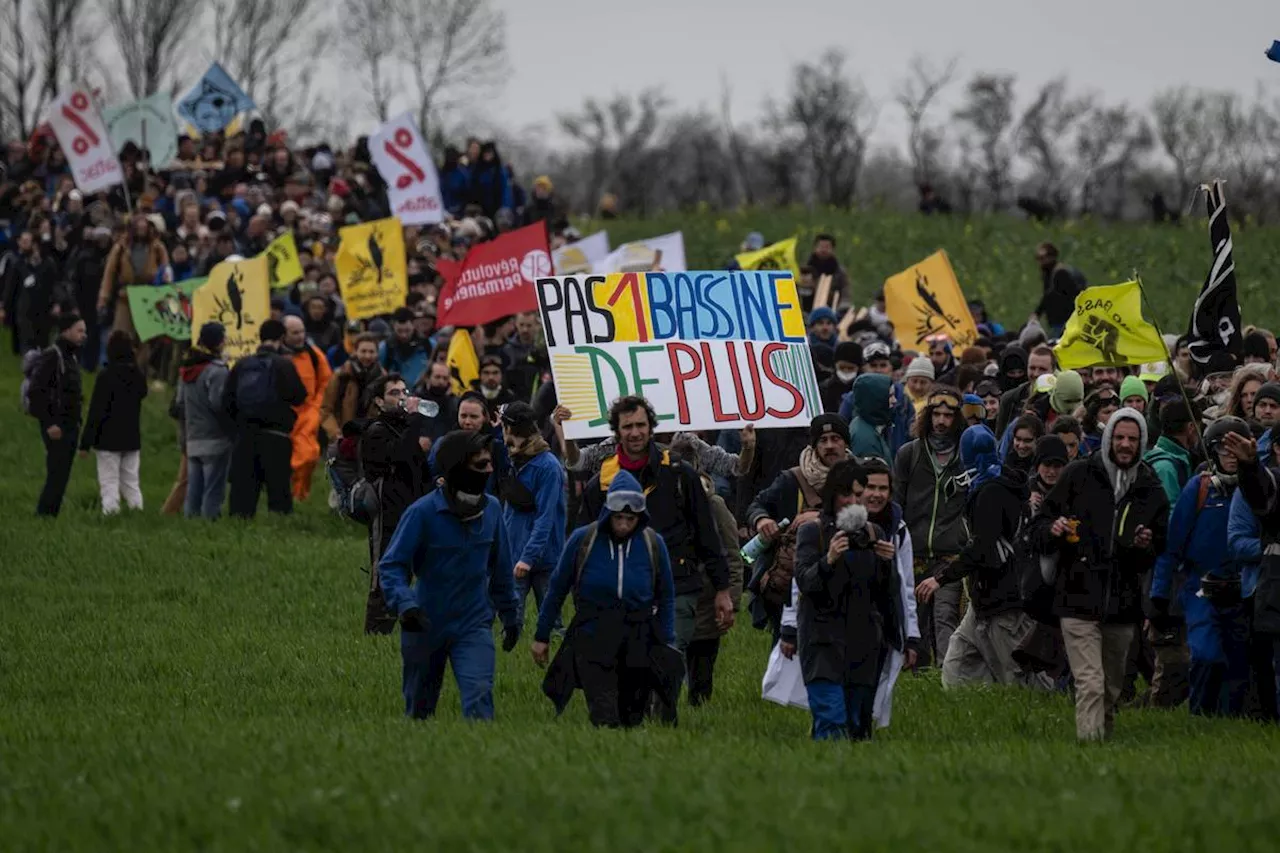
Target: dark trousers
column 261, row 459
column 841, row 711
column 59, row 455
column 33, row 332
column 1221, row 687
column 617, row 695
column 472, row 657
column 1262, row 672
column 700, row 661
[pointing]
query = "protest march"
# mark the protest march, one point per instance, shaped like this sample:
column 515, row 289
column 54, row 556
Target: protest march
column 608, row 457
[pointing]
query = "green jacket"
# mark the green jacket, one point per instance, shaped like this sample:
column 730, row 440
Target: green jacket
column 872, row 417
column 1172, row 464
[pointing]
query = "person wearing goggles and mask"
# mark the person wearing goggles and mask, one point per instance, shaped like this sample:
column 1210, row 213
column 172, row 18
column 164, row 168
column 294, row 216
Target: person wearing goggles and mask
column 620, row 645
column 454, row 547
column 929, row 485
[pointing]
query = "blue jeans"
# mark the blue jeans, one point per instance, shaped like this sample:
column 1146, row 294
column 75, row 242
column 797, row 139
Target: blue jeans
column 538, row 581
column 472, row 657
column 206, row 484
column 841, row 711
column 1221, row 687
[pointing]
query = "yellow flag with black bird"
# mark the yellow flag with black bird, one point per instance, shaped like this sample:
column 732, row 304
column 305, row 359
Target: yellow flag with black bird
column 237, row 294
column 283, row 263
column 1107, row 328
column 371, row 268
column 778, row 256
column 464, row 364
column 925, row 301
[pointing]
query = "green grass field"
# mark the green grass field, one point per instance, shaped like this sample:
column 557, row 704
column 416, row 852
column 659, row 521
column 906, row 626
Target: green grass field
column 168, row 686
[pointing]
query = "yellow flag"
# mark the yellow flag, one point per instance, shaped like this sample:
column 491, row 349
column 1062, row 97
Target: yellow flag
column 779, row 256
column 926, row 301
column 464, row 366
column 371, row 272
column 282, row 261
column 237, row 295
column 1107, row 328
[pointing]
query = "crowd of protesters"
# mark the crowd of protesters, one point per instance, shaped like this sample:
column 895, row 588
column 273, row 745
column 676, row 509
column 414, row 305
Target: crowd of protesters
column 982, row 512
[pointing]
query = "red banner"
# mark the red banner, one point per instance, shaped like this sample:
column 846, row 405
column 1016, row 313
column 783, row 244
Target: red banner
column 496, row 279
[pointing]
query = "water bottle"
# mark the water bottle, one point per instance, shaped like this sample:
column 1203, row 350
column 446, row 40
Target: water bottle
column 428, row 408
column 758, row 544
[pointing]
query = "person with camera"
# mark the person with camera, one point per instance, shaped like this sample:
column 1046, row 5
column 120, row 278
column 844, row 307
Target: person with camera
column 453, row 547
column 393, row 459
column 1196, row 578
column 849, row 608
column 1101, row 528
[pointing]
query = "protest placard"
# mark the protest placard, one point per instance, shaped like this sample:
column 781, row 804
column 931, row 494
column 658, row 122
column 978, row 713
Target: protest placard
column 581, row 256
column 237, row 295
column 925, row 301
column 213, row 102
column 413, row 187
column 659, row 254
column 283, row 263
column 148, row 124
column 163, row 311
column 495, row 279
column 83, row 137
column 371, row 268
column 710, row 350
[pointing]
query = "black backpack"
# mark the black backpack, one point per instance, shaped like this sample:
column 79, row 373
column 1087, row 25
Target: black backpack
column 256, row 397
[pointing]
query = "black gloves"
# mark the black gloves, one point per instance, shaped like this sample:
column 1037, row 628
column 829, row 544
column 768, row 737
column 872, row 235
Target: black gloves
column 413, row 621
column 510, row 636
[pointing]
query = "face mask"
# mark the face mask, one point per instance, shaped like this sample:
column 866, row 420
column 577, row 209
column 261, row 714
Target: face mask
column 467, row 483
column 846, row 376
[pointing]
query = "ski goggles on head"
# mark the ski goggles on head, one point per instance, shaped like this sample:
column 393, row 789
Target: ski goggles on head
column 632, row 502
column 944, row 402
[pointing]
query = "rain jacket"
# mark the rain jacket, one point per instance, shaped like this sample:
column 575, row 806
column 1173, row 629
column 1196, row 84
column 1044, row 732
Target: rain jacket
column 904, row 416
column 536, row 525
column 873, row 420
column 315, row 373
column 1171, row 463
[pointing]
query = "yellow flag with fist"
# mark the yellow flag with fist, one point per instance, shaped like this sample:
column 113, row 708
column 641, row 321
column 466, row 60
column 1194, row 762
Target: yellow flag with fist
column 1107, row 328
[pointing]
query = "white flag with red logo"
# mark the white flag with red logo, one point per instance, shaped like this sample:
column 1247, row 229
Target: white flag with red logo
column 496, row 279
column 83, row 137
column 413, row 187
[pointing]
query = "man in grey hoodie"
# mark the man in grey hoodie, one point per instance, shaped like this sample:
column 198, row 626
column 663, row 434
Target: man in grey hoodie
column 209, row 431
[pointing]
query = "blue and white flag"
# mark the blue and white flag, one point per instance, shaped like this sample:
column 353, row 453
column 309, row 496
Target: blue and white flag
column 213, row 102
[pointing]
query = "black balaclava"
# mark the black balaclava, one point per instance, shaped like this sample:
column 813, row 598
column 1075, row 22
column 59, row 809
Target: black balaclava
column 464, row 489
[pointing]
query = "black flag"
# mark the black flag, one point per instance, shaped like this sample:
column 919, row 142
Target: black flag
column 1215, row 321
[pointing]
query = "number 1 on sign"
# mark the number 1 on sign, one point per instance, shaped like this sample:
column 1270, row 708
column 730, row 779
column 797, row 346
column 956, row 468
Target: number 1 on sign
column 632, row 281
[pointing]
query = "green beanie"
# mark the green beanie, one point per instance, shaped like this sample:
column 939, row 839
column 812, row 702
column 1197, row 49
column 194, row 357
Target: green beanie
column 1132, row 386
column 1067, row 393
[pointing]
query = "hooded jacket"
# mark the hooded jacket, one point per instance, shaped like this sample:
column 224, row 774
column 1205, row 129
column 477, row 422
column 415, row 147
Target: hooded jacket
column 409, row 359
column 904, row 416
column 932, row 499
column 617, row 575
column 537, row 533
column 1100, row 577
column 1171, row 462
column 204, row 381
column 461, row 571
column 873, row 419
column 993, row 513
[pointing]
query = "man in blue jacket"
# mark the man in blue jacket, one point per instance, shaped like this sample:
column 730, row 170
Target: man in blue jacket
column 1244, row 547
column 621, row 641
column 453, row 542
column 534, row 511
column 1210, row 596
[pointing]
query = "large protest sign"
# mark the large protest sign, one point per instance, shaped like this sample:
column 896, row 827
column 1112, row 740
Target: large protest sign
column 1107, row 327
column 283, row 263
column 83, row 137
column 148, row 124
column 710, row 350
column 164, row 311
column 213, row 102
column 925, row 301
column 413, row 187
column 495, row 280
column 656, row 254
column 371, row 268
column 581, row 256
column 237, row 295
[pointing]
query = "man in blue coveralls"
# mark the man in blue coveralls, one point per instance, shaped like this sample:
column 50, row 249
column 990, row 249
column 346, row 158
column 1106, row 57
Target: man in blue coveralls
column 454, row 543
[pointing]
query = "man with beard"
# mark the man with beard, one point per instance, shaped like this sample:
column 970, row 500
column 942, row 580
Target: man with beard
column 1013, row 402
column 436, row 386
column 453, row 546
column 1266, row 405
column 981, row 649
column 314, row 371
column 56, row 400
column 848, row 363
column 1103, row 526
column 533, row 495
column 679, row 511
column 346, row 397
column 522, row 357
column 929, row 486
column 795, row 496
column 491, row 386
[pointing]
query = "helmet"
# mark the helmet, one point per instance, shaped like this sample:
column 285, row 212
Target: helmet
column 1218, row 430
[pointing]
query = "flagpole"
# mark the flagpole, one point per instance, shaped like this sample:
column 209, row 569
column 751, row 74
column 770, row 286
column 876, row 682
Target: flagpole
column 1168, row 357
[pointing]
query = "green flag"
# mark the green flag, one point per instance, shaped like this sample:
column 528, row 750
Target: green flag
column 164, row 311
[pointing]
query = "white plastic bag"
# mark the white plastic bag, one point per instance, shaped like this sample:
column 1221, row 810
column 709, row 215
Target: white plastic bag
column 783, row 682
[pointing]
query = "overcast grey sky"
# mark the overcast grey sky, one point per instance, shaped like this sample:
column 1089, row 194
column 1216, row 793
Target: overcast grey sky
column 564, row 50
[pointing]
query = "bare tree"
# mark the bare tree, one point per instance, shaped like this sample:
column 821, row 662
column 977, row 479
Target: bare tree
column 618, row 137
column 41, row 45
column 1187, row 129
column 1111, row 140
column 736, row 143
column 916, row 95
column 1246, row 136
column 834, row 118
column 1045, row 137
column 150, row 36
column 989, row 116
column 452, row 48
column 371, row 36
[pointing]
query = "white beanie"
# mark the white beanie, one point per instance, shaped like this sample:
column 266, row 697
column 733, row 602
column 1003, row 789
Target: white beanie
column 920, row 366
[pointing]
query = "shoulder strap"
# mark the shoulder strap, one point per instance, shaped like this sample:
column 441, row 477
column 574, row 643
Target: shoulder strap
column 584, row 550
column 806, row 492
column 651, row 543
column 1203, row 495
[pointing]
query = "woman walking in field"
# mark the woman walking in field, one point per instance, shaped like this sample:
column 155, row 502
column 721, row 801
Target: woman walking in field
column 113, row 429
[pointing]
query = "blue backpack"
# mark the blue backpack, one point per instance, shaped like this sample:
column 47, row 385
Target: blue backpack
column 256, row 396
